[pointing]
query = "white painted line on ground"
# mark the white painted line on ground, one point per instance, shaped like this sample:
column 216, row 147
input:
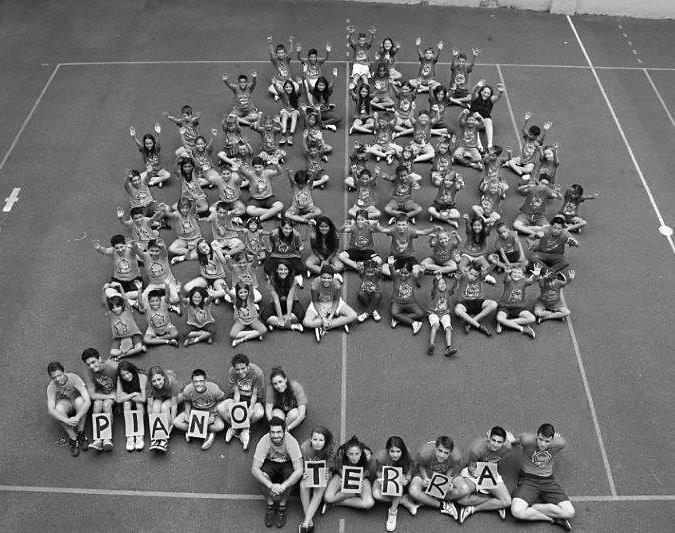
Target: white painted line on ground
column 30, row 115
column 345, row 200
column 341, row 525
column 658, row 95
column 133, row 493
column 82, row 491
column 645, row 185
column 580, row 364
column 11, row 200
column 589, row 398
column 510, row 108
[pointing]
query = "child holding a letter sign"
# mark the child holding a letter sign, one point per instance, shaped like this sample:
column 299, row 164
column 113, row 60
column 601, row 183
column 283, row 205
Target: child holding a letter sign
column 350, row 485
column 437, row 482
column 393, row 471
column 162, row 394
column 317, row 452
column 131, row 385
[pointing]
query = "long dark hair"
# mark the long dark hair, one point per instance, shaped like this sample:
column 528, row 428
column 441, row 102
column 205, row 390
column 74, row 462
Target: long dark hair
column 129, row 386
column 327, row 450
column 202, row 257
column 321, row 96
column 283, row 221
column 353, row 442
column 288, row 396
column 331, row 240
column 405, row 461
column 283, row 285
column 152, row 150
column 188, row 177
column 472, row 236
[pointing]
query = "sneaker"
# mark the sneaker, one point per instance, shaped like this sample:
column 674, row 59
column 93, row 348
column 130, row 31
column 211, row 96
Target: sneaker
column 562, row 523
column 297, row 327
column 162, row 446
column 346, row 328
column 331, row 127
column 229, row 434
column 362, row 317
column 107, row 445
column 140, row 443
column 467, row 327
column 412, row 220
column 450, row 351
column 527, row 330
column 97, row 445
column 317, row 334
column 430, row 350
column 289, row 140
column 485, row 331
column 83, row 440
column 324, row 508
column 282, row 139
column 416, row 327
column 498, row 328
column 245, row 438
column 376, row 316
column 391, row 521
column 281, row 516
column 465, row 513
column 414, row 508
column 394, row 322
column 187, row 437
column 176, row 309
column 74, row 447
column 502, row 514
column 338, row 277
column 391, row 221
column 490, row 279
column 153, row 445
column 131, row 444
column 300, row 280
column 209, row 441
column 390, row 159
column 270, row 513
column 449, row 509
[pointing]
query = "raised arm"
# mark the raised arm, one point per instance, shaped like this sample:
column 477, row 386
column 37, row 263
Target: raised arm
column 228, row 83
column 132, row 134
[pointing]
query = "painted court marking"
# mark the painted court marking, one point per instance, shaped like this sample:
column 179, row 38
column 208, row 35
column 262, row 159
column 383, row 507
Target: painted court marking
column 638, row 169
column 11, row 200
column 259, row 497
column 575, row 344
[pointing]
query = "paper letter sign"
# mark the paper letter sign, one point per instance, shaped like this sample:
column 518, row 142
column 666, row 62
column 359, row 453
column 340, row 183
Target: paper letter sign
column 159, row 426
column 133, row 424
column 198, row 424
column 239, row 416
column 487, row 475
column 438, row 486
column 392, row 481
column 352, row 478
column 102, row 426
column 316, row 474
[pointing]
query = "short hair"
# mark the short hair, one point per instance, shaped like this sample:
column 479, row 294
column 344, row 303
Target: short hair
column 327, row 269
column 498, row 431
column 401, row 217
column 198, row 372
column 546, row 430
column 53, row 367
column 137, row 211
column 242, row 77
column 239, row 358
column 257, row 161
column 134, row 172
column 186, row 109
column 502, row 223
column 117, row 239
column 87, row 353
column 558, row 220
column 312, row 51
column 155, row 293
column 446, row 442
column 462, row 55
column 534, row 131
column 280, row 47
column 276, row 421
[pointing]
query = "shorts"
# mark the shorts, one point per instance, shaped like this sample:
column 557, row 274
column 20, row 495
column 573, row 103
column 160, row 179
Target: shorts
column 459, row 93
column 554, row 307
column 406, row 206
column 511, row 312
column 473, row 307
column 299, row 211
column 443, row 207
column 229, row 244
column 263, row 203
column 570, row 219
column 130, row 285
column 534, row 219
column 209, row 328
column 444, row 320
column 466, row 475
column 235, row 205
column 359, row 70
column 311, row 309
column 358, row 256
column 533, row 489
column 472, row 153
column 161, row 332
column 276, row 471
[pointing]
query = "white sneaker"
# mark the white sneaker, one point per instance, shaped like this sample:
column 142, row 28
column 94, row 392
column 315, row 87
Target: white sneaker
column 209, row 441
column 229, row 434
column 300, row 281
column 317, row 334
column 346, row 328
column 338, row 277
column 376, row 316
column 465, row 513
column 297, row 327
column 449, row 509
column 490, row 279
column 391, row 521
column 245, row 438
column 362, row 317
column 391, row 221
column 131, row 444
column 502, row 514
column 140, row 443
column 416, row 327
column 394, row 322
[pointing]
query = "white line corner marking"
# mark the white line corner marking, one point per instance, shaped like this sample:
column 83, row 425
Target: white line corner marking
column 11, row 200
